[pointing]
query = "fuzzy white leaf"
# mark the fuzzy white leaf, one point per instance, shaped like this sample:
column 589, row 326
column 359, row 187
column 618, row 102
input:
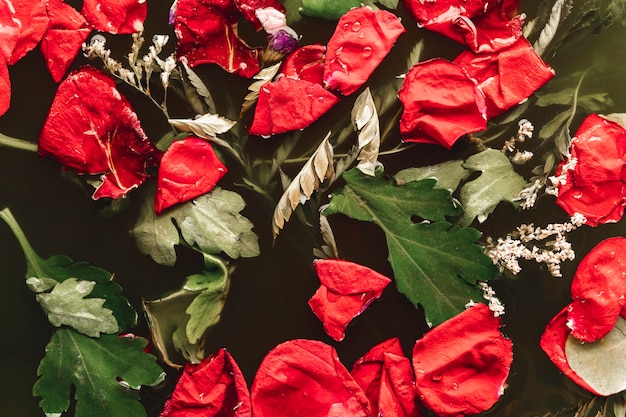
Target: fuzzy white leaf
column 318, row 168
column 207, row 126
column 199, row 86
column 263, row 77
column 365, row 120
column 560, row 9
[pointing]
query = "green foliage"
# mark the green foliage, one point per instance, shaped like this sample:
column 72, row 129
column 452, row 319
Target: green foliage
column 448, row 174
column 66, row 305
column 212, row 222
column 94, row 367
column 435, row 264
column 497, row 182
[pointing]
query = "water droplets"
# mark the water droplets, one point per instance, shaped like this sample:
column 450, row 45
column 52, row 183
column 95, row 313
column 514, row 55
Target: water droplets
column 367, row 52
column 356, row 26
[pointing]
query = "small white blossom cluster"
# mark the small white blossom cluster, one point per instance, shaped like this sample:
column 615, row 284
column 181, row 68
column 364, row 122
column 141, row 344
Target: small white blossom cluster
column 494, row 303
column 547, row 245
column 561, row 179
column 528, row 196
column 524, row 131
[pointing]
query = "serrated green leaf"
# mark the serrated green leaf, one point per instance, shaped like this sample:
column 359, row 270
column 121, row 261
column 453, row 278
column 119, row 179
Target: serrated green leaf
column 94, row 367
column 211, row 221
column 390, row 4
column 448, row 174
column 497, row 182
column 435, row 264
column 66, row 305
column 328, row 9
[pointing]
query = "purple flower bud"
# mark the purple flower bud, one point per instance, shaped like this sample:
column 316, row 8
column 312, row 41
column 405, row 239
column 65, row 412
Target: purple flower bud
column 172, row 14
column 284, row 40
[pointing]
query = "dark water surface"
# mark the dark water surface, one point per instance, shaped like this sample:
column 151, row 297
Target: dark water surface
column 268, row 299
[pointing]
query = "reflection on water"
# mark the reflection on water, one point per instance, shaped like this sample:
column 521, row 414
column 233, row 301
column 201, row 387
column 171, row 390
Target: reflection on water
column 268, row 298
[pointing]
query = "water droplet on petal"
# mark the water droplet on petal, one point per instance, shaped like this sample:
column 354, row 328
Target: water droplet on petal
column 345, row 26
column 361, row 35
column 577, row 194
column 339, row 51
column 436, row 377
column 356, row 26
column 367, row 52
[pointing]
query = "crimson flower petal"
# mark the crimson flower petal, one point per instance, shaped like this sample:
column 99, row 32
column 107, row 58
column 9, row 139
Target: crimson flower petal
column 66, row 32
column 189, row 168
column 346, row 290
column 289, row 104
column 207, row 34
column 553, row 342
column 441, row 104
column 214, row 388
column 305, row 63
column 9, row 30
column 462, row 364
column 362, row 39
column 5, row 87
column 116, row 16
column 598, row 290
column 248, row 7
column 594, row 187
column 92, row 129
column 305, row 378
column 507, row 77
column 33, row 24
column 385, row 374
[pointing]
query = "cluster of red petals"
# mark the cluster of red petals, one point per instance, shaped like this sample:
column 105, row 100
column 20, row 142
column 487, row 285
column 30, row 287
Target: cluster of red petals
column 498, row 71
column 311, row 77
column 189, row 168
column 215, row 387
column 92, row 129
column 459, row 368
column 346, row 290
column 461, row 365
column 482, row 25
column 115, row 16
column 599, row 298
column 595, row 186
column 207, row 33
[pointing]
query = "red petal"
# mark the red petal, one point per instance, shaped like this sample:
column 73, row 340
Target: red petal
column 116, row 16
column 462, row 364
column 598, row 290
column 92, row 129
column 441, row 104
column 346, row 290
column 594, row 187
column 305, row 63
column 553, row 342
column 507, row 77
column 362, row 39
column 385, row 374
column 289, row 104
column 207, row 34
column 189, row 168
column 33, row 24
column 66, row 32
column 248, row 7
column 214, row 388
column 305, row 378
column 5, row 87
column 10, row 30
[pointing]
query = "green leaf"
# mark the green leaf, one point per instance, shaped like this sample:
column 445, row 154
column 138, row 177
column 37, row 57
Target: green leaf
column 40, row 274
column 435, row 264
column 66, row 305
column 183, row 317
column 448, row 174
column 497, row 182
column 212, row 222
column 328, row 9
column 93, row 367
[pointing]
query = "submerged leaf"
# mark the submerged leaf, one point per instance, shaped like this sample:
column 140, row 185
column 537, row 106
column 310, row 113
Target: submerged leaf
column 94, row 369
column 435, row 264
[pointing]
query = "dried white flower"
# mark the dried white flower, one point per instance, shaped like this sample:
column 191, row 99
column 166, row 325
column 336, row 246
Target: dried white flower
column 495, row 305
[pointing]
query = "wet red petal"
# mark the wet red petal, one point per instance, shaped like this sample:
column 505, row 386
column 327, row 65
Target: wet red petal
column 553, row 342
column 507, row 77
column 189, row 168
column 461, row 365
column 214, row 388
column 92, row 129
column 33, row 24
column 207, row 34
column 289, row 104
column 5, row 87
column 247, row 8
column 346, row 290
column 386, row 376
column 66, row 32
column 594, row 187
column 598, row 290
column 10, row 30
column 305, row 63
column 362, row 39
column 432, row 92
column 116, row 16
column 305, row 378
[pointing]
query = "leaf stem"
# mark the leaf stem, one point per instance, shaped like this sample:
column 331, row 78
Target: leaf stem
column 11, row 142
column 32, row 260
